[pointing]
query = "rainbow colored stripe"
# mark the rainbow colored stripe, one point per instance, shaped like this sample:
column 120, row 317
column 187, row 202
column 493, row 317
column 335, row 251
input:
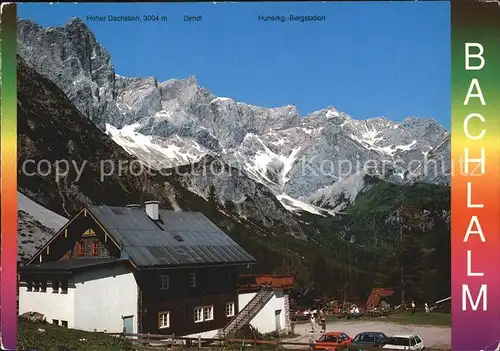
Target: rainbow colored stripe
column 475, row 319
column 8, row 276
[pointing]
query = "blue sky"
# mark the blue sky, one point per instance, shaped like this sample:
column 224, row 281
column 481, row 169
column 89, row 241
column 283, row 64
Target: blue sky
column 372, row 59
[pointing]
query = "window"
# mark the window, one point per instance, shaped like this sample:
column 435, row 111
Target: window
column 398, row 341
column 55, row 286
column 208, row 313
column 43, row 286
column 80, row 248
column 95, row 248
column 89, row 232
column 64, row 324
column 164, row 282
column 412, row 342
column 29, row 285
column 64, row 287
column 417, row 338
column 36, row 285
column 198, row 314
column 192, row 280
column 366, row 338
column 55, row 321
column 203, row 314
column 230, row 309
column 328, row 338
column 163, row 320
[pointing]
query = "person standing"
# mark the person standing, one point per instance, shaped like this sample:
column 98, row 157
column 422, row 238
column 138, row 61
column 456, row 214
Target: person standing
column 427, row 310
column 323, row 322
column 412, row 307
column 313, row 321
column 356, row 311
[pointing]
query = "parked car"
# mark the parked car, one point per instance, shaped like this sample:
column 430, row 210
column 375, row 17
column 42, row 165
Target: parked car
column 405, row 342
column 372, row 339
column 331, row 340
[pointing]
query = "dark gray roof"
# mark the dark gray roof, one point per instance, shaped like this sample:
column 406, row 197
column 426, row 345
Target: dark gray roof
column 177, row 239
column 72, row 264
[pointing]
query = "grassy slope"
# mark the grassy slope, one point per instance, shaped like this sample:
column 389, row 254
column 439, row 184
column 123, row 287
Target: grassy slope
column 58, row 338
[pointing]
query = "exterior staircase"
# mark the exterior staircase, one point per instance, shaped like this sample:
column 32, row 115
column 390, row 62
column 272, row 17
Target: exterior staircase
column 247, row 313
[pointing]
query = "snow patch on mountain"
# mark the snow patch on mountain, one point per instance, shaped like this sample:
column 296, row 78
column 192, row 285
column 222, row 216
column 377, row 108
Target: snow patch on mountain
column 295, row 205
column 221, row 99
column 332, row 113
column 156, row 152
column 265, row 158
column 392, row 149
column 340, row 194
column 288, row 162
column 371, row 137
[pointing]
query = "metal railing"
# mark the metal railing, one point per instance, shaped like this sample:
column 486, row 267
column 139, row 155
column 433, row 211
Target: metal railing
column 249, row 311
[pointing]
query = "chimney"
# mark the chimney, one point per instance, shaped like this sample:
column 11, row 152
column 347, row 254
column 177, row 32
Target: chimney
column 152, row 209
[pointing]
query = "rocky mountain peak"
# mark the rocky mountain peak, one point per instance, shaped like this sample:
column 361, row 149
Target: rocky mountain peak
column 420, row 124
column 178, row 121
column 329, row 112
column 77, row 23
column 73, row 59
column 191, row 80
column 332, row 111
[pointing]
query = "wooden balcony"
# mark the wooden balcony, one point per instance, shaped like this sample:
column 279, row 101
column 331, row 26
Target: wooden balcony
column 253, row 281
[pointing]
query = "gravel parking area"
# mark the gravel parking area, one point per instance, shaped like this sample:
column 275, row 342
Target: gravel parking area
column 434, row 337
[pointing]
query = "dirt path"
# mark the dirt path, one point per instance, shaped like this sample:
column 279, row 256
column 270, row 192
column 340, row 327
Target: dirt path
column 433, row 336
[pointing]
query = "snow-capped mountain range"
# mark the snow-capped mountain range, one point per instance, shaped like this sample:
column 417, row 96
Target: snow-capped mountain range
column 316, row 163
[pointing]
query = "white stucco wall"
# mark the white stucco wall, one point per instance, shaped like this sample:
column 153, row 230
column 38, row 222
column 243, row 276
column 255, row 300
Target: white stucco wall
column 95, row 300
column 51, row 305
column 103, row 297
column 264, row 321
